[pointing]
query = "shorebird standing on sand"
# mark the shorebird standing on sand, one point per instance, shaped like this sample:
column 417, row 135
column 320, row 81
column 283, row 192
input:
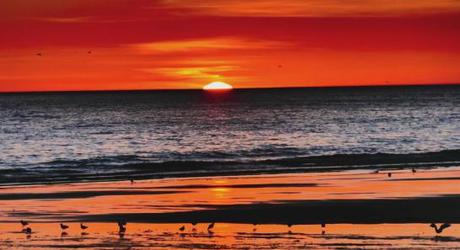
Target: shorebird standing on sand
column 182, row 228
column 64, row 227
column 121, row 227
column 83, row 226
column 211, row 226
column 26, row 230
column 414, row 171
column 323, row 227
column 441, row 228
column 389, row 175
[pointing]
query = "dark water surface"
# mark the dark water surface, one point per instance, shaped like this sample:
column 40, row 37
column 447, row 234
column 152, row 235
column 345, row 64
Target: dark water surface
column 64, row 136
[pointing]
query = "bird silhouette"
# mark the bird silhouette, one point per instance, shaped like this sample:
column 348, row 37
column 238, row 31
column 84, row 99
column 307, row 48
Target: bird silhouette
column 132, row 181
column 389, row 175
column 24, row 223
column 194, row 223
column 121, row 227
column 441, row 228
column 414, row 171
column 211, row 226
column 63, row 226
column 182, row 228
column 28, row 230
column 83, row 227
column 323, row 225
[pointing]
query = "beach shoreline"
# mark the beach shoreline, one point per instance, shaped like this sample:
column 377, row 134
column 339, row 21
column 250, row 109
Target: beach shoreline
column 282, row 210
column 197, row 169
column 352, row 205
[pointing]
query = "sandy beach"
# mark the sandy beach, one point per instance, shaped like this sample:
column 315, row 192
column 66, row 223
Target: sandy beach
column 360, row 209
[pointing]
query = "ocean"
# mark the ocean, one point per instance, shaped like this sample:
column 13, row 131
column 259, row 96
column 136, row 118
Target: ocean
column 83, row 136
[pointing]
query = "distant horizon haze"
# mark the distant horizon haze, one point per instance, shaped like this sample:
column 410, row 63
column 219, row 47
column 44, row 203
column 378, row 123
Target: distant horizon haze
column 396, row 85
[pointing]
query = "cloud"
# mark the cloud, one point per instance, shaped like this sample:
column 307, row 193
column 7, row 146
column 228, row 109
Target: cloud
column 194, row 75
column 78, row 11
column 219, row 43
column 208, row 72
column 315, row 8
column 63, row 19
column 88, row 19
column 198, row 61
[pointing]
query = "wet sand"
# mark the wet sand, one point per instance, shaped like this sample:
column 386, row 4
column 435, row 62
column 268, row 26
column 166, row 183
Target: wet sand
column 361, row 209
column 231, row 236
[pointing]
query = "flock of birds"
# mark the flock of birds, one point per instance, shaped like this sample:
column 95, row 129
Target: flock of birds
column 122, row 227
column 26, row 228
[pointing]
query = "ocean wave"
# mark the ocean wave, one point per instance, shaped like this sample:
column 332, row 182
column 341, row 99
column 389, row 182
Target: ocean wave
column 126, row 167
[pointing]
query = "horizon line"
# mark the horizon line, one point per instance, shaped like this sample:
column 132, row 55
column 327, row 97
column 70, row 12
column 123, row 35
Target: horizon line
column 234, row 88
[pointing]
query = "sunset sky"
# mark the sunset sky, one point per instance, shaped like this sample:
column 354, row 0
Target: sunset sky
column 173, row 44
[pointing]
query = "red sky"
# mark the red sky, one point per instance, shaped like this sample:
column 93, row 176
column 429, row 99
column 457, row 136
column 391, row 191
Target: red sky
column 164, row 44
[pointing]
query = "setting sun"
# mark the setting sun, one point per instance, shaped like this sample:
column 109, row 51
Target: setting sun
column 217, row 86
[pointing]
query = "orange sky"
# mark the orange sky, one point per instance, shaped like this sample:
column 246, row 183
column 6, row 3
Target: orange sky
column 164, row 44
